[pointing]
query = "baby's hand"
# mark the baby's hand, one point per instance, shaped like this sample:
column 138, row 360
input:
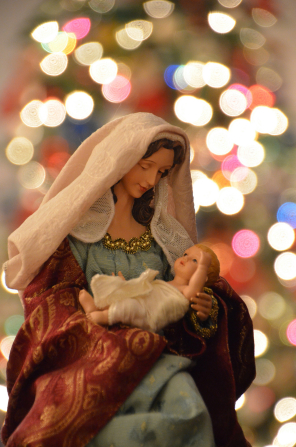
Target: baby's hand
column 205, row 259
column 202, row 303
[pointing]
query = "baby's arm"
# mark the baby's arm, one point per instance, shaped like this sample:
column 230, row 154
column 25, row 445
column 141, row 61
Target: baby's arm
column 89, row 307
column 199, row 277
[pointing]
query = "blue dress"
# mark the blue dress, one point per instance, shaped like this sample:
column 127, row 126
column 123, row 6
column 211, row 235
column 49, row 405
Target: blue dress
column 166, row 408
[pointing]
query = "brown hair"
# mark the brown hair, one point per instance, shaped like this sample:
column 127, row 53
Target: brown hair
column 214, row 269
column 142, row 211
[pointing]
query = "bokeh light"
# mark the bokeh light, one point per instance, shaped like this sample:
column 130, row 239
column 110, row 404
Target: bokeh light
column 285, row 409
column 269, row 78
column 263, row 119
column 281, row 236
column 242, row 131
column 230, row 3
column 193, row 110
column 245, row 243
column 101, row 6
column 219, row 141
column 3, row 398
column 58, row 44
column 70, row 47
column 125, row 41
column 285, row 266
column 261, row 343
column 242, row 270
column 263, row 17
column 103, row 71
column 251, row 38
column 80, row 27
column 45, row 32
column 52, row 113
column 282, row 122
column 291, row 332
column 5, row 287
column 30, row 113
column 229, row 164
column 259, row 56
column 205, row 191
column 193, row 74
column 271, row 305
column 287, row 434
column 19, row 151
column 244, row 90
column 117, row 90
column 31, row 175
column 287, row 213
column 233, row 102
column 220, row 22
column 244, row 179
column 13, row 323
column 159, row 9
column 139, row 29
column 88, row 53
column 169, row 76
column 225, row 256
column 216, row 75
column 240, row 402
column 251, row 155
column 265, row 372
column 230, row 201
column 261, row 96
column 79, row 105
column 251, row 305
column 6, row 344
column 54, row 64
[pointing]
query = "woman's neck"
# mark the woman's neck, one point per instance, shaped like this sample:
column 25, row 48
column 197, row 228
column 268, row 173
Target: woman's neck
column 123, row 224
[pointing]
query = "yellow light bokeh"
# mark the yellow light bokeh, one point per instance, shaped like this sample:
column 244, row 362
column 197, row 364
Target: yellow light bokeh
column 32, row 175
column 88, row 53
column 19, row 151
column 139, row 29
column 29, row 114
column 159, row 9
column 54, row 64
column 261, row 343
column 220, row 22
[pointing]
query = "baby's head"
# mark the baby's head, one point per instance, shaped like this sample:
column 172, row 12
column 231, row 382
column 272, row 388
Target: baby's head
column 214, row 269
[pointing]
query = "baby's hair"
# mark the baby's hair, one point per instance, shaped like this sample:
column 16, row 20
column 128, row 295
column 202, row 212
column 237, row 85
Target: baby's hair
column 214, row 269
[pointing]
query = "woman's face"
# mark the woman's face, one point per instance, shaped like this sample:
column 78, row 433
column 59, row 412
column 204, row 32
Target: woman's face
column 147, row 172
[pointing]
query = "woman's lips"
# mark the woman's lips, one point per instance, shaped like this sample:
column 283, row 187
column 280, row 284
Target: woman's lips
column 143, row 189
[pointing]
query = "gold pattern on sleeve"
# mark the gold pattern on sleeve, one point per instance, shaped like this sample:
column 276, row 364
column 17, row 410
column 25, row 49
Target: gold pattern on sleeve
column 206, row 332
column 133, row 245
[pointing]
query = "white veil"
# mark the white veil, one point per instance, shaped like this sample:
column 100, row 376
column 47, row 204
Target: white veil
column 80, row 201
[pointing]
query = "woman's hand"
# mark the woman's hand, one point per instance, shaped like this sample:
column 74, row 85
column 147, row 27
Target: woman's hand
column 202, row 303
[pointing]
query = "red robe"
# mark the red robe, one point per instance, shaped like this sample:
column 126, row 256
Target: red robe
column 67, row 377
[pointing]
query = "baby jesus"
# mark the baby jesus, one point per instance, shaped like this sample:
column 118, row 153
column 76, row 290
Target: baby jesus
column 153, row 304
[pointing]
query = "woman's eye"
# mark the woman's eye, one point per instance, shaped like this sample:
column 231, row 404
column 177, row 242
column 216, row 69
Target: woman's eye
column 144, row 167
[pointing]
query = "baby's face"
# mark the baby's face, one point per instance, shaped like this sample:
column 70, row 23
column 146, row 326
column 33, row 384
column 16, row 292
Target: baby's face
column 187, row 264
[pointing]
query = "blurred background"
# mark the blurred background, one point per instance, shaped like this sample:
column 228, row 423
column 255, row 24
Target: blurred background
column 223, row 70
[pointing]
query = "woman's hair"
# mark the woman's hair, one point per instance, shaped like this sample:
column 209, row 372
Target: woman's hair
column 214, row 269
column 142, row 211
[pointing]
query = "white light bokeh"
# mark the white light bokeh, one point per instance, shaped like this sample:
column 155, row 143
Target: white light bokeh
column 59, row 43
column 29, row 114
column 271, row 305
column 52, row 113
column 193, row 110
column 54, row 64
column 139, row 29
column 32, row 175
column 251, row 155
column 263, row 17
column 219, row 141
column 5, row 287
column 263, row 119
column 216, row 75
column 101, row 6
column 265, row 372
column 251, row 305
column 240, row 402
column 287, row 434
column 233, row 102
column 88, row 53
column 244, row 179
column 269, row 78
column 158, row 9
column 242, row 131
column 79, row 105
column 103, row 71
column 45, row 32
column 251, row 38
column 230, row 201
column 20, row 151
column 285, row 409
column 205, row 191
column 6, row 344
column 220, row 22
column 193, row 74
column 230, row 3
column 285, row 266
column 282, row 122
column 281, row 236
column 261, row 343
column 125, row 41
column 3, row 398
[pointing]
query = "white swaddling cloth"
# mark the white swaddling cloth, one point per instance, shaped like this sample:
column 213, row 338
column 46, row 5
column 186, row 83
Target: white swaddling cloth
column 141, row 302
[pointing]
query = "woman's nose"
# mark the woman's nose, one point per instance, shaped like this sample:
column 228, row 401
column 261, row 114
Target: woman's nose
column 152, row 178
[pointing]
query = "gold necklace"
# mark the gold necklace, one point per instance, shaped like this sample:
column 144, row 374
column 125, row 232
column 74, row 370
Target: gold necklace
column 133, row 245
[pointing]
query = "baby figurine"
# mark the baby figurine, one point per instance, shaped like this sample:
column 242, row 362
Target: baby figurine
column 153, row 304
